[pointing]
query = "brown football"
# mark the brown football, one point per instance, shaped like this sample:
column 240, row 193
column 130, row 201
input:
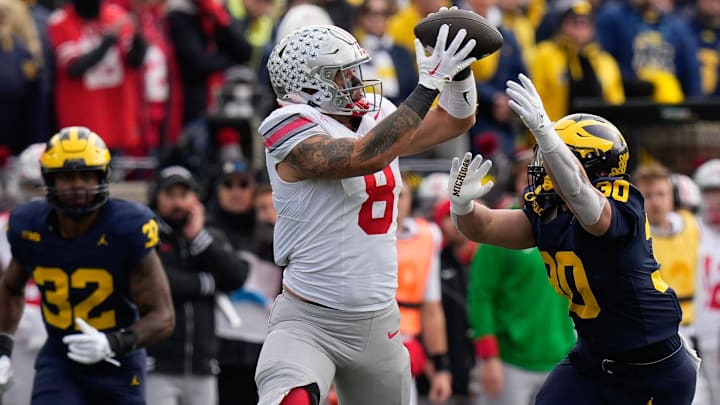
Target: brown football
column 488, row 38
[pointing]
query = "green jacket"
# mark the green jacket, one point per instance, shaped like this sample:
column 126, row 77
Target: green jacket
column 510, row 297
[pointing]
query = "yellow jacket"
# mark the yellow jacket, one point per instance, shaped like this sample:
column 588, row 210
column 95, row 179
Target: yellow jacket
column 553, row 62
column 677, row 255
column 524, row 31
column 400, row 27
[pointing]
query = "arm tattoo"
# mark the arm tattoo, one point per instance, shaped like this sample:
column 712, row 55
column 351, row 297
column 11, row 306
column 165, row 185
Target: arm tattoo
column 388, row 131
column 318, row 154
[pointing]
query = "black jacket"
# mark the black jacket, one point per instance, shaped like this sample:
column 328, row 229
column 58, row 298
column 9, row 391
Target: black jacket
column 197, row 62
column 195, row 271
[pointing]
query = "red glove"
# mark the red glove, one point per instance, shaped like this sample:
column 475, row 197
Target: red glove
column 216, row 10
column 418, row 359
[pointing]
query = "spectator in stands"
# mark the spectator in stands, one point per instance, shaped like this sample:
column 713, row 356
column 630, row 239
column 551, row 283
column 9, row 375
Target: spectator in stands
column 207, row 42
column 494, row 117
column 266, row 217
column 160, row 77
column 31, row 334
column 230, row 202
column 422, row 320
column 572, row 66
column 675, row 239
column 231, row 210
column 534, row 10
column 455, row 256
column 675, row 236
column 656, row 51
column 391, row 63
column 98, row 50
column 297, row 15
column 431, row 189
column 548, row 25
column 199, row 262
column 21, row 64
column 264, row 207
column 513, row 358
column 514, row 19
column 408, row 16
column 686, row 193
column 46, row 121
column 256, row 17
column 341, row 12
column 705, row 26
column 707, row 298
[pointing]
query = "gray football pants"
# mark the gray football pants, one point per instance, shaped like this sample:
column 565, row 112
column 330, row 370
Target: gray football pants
column 360, row 351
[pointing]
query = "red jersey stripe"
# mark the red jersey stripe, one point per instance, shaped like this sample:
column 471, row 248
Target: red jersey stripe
column 285, row 129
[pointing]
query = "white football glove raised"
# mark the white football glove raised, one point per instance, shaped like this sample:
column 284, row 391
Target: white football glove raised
column 526, row 102
column 465, row 182
column 443, row 64
column 89, row 347
column 6, row 374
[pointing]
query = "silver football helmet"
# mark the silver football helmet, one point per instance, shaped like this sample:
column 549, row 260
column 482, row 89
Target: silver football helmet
column 686, row 192
column 28, row 173
column 708, row 174
column 707, row 177
column 304, row 69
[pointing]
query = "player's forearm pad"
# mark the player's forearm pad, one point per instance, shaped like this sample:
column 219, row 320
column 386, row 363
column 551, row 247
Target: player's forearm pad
column 459, row 98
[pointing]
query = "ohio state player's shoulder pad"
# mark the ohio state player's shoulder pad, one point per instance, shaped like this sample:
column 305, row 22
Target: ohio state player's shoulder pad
column 286, row 127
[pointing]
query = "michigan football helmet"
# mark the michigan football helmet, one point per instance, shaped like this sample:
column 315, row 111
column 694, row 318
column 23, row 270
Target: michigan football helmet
column 304, row 69
column 598, row 144
column 76, row 149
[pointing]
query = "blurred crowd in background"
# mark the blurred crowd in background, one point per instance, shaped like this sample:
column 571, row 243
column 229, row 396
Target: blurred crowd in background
column 185, row 81
column 183, row 84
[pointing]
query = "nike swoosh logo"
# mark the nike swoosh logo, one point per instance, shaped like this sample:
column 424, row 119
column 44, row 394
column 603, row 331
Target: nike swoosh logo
column 432, row 72
column 393, row 334
column 465, row 96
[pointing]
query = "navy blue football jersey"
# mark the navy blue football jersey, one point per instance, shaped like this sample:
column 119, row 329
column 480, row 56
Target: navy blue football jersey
column 86, row 277
column 616, row 296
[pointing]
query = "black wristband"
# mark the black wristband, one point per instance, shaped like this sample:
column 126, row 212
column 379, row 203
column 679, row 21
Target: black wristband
column 6, row 344
column 122, row 341
column 441, row 362
column 462, row 75
column 421, row 99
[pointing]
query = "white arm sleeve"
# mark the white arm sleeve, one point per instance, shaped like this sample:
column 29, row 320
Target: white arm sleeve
column 582, row 198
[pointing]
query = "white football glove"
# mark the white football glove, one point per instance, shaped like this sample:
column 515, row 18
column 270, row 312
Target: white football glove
column 526, row 102
column 6, row 374
column 443, row 64
column 465, row 182
column 89, row 347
